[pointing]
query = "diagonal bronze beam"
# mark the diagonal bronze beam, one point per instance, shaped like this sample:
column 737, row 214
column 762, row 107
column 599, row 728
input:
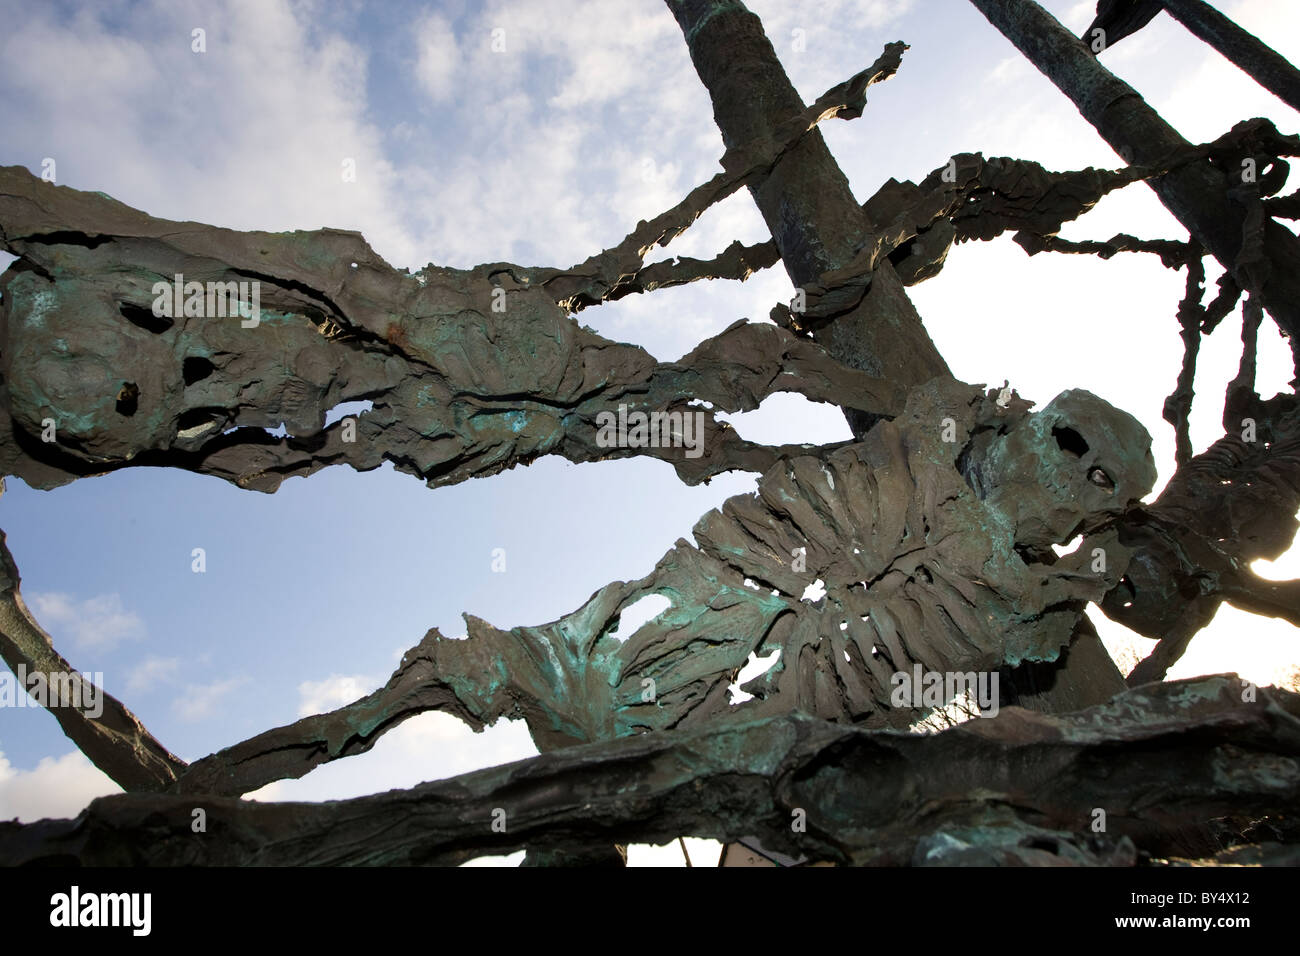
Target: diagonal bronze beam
column 114, row 739
column 1196, row 194
column 805, row 200
column 1265, row 65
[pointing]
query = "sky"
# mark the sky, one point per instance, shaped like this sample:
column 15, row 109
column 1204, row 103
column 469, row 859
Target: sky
column 542, row 153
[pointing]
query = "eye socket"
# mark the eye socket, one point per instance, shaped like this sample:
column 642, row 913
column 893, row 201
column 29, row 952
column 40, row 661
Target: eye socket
column 1102, row 480
column 1070, row 441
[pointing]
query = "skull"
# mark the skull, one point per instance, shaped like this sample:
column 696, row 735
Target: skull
column 1064, row 469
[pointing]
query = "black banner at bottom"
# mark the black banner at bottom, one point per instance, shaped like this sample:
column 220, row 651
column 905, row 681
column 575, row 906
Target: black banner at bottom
column 298, row 905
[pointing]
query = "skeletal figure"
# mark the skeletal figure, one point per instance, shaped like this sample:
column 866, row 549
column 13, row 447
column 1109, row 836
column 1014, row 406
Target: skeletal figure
column 931, row 551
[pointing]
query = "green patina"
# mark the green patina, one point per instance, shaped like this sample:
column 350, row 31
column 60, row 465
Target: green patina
column 517, row 420
column 309, row 252
column 159, row 414
column 87, row 422
column 478, row 691
column 191, row 346
column 40, row 303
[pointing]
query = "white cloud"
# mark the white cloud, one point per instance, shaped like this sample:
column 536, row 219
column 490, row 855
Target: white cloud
column 250, row 135
column 431, row 746
column 1079, row 16
column 203, row 701
column 639, row 612
column 322, row 696
column 790, row 418
column 552, row 134
column 94, row 623
column 1011, row 68
column 837, row 38
column 58, row 788
column 439, row 59
column 150, row 672
column 599, row 76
